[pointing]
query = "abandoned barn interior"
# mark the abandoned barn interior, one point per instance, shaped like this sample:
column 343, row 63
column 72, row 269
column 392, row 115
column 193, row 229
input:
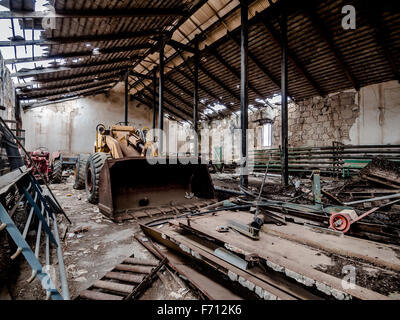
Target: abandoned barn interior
column 199, row 150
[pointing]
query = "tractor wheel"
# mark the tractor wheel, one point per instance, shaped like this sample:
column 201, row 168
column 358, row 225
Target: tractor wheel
column 79, row 174
column 56, row 176
column 92, row 174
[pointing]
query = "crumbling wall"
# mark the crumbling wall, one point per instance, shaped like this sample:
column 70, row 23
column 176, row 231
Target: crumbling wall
column 7, row 93
column 319, row 121
column 370, row 116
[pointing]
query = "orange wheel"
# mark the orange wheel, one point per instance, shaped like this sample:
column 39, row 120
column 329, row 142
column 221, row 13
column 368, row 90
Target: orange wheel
column 340, row 222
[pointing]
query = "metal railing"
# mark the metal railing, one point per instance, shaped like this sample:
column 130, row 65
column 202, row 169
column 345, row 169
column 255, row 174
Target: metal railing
column 335, row 160
column 23, row 191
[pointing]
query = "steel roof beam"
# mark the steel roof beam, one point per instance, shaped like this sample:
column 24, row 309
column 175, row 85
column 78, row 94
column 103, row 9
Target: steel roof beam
column 54, row 101
column 104, row 86
column 102, row 13
column 119, row 70
column 143, row 101
column 35, row 94
column 59, row 86
column 232, row 70
column 40, row 71
column 166, row 100
column 81, row 54
column 276, row 37
column 328, row 38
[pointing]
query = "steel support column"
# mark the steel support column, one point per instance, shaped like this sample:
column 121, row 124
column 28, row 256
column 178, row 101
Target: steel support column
column 154, row 98
column 244, row 98
column 126, row 98
column 161, row 96
column 196, row 96
column 284, row 95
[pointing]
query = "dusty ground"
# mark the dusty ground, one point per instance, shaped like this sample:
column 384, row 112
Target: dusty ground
column 89, row 255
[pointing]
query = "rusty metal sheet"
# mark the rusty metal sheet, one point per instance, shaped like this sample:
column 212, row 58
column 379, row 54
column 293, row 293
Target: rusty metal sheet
column 133, row 183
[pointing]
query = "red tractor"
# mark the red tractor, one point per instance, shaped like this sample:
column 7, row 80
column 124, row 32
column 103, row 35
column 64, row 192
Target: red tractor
column 50, row 166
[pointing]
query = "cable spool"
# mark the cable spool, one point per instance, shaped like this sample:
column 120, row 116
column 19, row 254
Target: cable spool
column 341, row 221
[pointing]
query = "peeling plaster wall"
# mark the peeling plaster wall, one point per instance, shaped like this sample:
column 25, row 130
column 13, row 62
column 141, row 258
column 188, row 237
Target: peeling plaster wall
column 7, row 93
column 370, row 116
column 70, row 127
column 379, row 121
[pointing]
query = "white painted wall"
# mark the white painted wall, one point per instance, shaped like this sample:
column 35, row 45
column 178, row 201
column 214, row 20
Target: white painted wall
column 70, row 127
column 379, row 120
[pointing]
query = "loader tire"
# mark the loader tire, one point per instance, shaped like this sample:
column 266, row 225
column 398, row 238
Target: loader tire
column 92, row 174
column 79, row 175
column 56, row 176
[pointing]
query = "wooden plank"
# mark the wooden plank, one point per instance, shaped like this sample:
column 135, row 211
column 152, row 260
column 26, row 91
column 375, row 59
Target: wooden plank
column 289, row 256
column 142, row 262
column 206, row 286
column 95, row 295
column 377, row 253
column 136, row 269
column 133, row 278
column 112, row 286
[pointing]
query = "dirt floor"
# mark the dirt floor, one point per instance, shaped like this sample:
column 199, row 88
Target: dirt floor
column 90, row 254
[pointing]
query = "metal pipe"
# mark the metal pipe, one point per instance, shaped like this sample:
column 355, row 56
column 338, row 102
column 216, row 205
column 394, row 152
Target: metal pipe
column 161, row 97
column 126, row 98
column 284, row 93
column 61, row 266
column 26, row 228
column 397, row 195
column 48, row 294
column 37, row 247
column 244, row 98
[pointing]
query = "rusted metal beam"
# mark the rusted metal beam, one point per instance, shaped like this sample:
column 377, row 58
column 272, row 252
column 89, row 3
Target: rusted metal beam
column 276, row 37
column 119, row 70
column 99, row 13
column 258, row 63
column 186, row 114
column 232, row 70
column 140, row 75
column 220, row 83
column 61, row 86
column 244, row 90
column 284, row 99
column 81, row 54
column 138, row 98
column 58, row 100
column 184, row 47
column 40, row 71
column 42, row 93
column 80, row 39
column 103, row 86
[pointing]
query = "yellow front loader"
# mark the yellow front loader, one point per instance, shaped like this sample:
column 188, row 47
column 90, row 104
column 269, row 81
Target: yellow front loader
column 120, row 179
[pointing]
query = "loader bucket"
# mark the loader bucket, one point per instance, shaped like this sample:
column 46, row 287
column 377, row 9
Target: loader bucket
column 131, row 184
